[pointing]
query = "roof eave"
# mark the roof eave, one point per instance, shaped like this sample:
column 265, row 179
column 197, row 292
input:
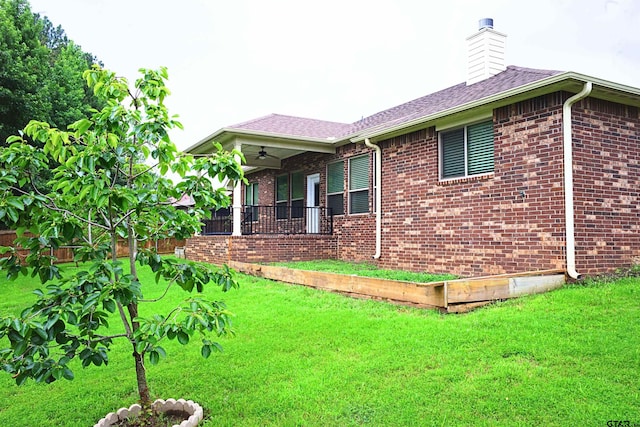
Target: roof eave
column 555, row 82
column 227, row 134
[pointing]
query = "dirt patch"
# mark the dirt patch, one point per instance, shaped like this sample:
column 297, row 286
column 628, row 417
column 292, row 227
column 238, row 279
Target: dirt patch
column 165, row 419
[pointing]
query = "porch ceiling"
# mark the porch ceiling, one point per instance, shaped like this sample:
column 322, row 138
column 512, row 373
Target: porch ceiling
column 277, row 147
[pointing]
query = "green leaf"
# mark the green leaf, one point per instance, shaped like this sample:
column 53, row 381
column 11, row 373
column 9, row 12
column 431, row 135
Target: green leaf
column 183, row 337
column 67, row 373
column 21, row 346
column 154, row 357
column 15, row 202
column 14, row 138
column 57, row 372
column 161, row 351
column 21, row 378
column 84, row 191
column 81, row 126
column 109, row 305
column 12, row 214
column 205, row 351
column 112, row 140
column 42, row 333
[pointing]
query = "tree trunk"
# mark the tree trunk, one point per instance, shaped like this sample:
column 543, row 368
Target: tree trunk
column 141, row 373
column 141, row 376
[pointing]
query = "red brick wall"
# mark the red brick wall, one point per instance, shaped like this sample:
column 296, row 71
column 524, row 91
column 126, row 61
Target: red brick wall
column 355, row 233
column 480, row 225
column 260, row 248
column 606, row 185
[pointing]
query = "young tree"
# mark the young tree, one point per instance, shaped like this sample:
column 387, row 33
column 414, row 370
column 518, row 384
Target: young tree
column 109, row 185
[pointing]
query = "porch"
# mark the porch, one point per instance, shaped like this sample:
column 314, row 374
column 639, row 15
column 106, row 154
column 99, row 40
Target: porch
column 278, row 219
column 260, row 248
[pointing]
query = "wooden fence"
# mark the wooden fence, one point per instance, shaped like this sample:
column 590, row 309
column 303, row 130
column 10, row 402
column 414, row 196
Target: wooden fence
column 165, row 246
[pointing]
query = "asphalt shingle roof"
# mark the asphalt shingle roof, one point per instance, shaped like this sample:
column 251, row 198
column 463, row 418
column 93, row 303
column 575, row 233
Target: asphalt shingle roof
column 445, row 99
column 294, row 126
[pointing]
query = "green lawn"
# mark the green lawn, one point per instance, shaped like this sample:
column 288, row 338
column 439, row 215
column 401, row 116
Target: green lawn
column 365, row 270
column 304, row 357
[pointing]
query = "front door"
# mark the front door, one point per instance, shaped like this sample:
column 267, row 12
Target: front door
column 313, row 203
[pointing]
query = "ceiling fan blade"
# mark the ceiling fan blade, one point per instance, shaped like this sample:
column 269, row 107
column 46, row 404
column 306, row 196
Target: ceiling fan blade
column 262, row 155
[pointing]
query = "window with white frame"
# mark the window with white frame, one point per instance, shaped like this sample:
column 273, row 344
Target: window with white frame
column 467, row 151
column 335, row 187
column 359, row 184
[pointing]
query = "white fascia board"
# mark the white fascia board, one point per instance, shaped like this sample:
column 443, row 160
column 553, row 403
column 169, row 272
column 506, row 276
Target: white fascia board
column 258, row 138
column 213, row 137
column 482, row 116
column 274, row 135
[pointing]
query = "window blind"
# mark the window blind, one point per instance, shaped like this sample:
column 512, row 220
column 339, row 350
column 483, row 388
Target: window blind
column 335, row 177
column 480, row 148
column 453, row 153
column 282, row 188
column 359, row 173
column 297, row 186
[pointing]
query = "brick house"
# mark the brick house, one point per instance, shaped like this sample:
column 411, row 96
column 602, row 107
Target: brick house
column 514, row 170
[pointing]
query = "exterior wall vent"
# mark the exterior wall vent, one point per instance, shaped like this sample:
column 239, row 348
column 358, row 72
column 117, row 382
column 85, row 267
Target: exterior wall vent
column 485, row 52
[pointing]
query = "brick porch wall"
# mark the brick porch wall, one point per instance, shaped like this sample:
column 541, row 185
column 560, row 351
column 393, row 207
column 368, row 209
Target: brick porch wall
column 260, row 248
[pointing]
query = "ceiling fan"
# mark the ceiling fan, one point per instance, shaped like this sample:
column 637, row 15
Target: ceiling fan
column 263, row 155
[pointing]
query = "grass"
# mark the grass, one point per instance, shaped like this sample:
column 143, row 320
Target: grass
column 365, row 270
column 304, row 357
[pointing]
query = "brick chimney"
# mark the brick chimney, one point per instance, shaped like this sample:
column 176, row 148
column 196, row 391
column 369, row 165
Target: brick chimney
column 485, row 52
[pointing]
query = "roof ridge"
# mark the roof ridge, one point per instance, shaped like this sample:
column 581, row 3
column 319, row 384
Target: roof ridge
column 534, row 70
column 255, row 120
column 286, row 116
column 310, row 118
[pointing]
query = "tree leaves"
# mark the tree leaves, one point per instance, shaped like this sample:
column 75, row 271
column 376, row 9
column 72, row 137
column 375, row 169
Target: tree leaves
column 103, row 189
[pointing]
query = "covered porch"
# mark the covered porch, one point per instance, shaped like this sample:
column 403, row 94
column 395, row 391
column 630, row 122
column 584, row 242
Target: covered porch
column 264, row 150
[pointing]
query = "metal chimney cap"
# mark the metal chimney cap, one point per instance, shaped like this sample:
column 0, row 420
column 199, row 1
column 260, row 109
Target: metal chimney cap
column 485, row 23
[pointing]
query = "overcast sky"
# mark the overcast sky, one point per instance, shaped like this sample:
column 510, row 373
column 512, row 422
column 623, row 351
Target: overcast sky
column 339, row 60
